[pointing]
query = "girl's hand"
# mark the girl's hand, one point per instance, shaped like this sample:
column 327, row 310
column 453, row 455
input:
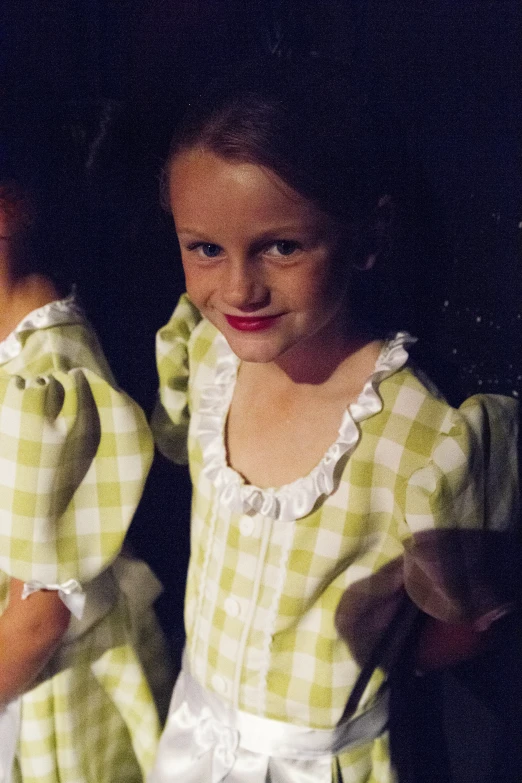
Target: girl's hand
column 30, row 631
column 444, row 644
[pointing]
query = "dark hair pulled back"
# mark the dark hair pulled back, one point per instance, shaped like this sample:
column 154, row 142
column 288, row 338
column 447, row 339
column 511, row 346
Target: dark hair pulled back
column 306, row 123
column 322, row 135
column 38, row 179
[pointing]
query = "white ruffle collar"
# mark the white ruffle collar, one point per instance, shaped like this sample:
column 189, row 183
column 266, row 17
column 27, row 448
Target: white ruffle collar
column 297, row 499
column 62, row 311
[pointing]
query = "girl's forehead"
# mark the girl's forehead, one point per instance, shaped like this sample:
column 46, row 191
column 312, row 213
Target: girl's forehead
column 200, row 179
column 203, row 168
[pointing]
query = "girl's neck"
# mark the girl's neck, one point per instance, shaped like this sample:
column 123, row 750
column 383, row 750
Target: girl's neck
column 20, row 293
column 319, row 360
column 281, row 423
column 337, row 371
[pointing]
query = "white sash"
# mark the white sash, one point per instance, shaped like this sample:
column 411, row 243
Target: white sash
column 207, row 741
column 9, row 731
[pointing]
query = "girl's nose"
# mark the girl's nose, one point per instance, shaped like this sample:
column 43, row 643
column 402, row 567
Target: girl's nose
column 243, row 286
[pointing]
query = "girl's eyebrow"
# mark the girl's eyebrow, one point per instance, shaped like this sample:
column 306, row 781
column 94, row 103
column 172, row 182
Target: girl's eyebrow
column 287, row 228
column 187, row 230
column 193, row 232
column 269, row 233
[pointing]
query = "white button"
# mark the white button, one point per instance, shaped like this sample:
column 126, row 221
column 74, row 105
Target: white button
column 246, row 526
column 218, row 683
column 232, row 607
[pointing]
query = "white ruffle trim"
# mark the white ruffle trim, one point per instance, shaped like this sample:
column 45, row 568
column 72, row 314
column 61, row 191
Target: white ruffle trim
column 62, row 311
column 295, row 500
column 70, row 593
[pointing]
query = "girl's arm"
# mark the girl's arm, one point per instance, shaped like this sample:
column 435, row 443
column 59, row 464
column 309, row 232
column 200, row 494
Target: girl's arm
column 447, row 644
column 30, row 631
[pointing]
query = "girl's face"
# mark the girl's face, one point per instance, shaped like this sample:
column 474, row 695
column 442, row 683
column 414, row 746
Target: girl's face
column 14, row 211
column 6, row 220
column 261, row 262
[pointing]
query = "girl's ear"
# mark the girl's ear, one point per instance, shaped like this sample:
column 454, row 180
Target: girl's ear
column 16, row 212
column 377, row 235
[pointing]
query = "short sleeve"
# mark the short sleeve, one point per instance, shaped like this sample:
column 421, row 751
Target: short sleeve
column 171, row 415
column 74, row 455
column 461, row 512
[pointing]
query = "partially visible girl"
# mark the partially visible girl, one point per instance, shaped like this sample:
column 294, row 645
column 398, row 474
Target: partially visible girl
column 338, row 496
column 77, row 630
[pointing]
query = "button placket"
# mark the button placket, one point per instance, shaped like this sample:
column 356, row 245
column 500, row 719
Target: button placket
column 232, row 607
column 219, row 684
column 247, row 526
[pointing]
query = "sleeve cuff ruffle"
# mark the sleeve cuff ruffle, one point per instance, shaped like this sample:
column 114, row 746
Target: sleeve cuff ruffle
column 70, row 593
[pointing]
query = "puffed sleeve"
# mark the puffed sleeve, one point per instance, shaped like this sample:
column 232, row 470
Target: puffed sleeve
column 171, row 415
column 74, row 455
column 461, row 511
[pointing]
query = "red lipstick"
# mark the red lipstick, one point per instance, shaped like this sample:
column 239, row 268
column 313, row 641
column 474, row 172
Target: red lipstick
column 251, row 323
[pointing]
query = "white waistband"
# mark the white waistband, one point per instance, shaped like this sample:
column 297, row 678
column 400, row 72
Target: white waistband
column 285, row 740
column 9, row 731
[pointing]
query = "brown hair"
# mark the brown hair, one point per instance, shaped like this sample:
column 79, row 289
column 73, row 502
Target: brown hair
column 319, row 133
column 308, row 125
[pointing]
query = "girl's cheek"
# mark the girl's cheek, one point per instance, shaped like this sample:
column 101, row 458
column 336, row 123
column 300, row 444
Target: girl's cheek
column 200, row 283
column 321, row 282
column 191, row 270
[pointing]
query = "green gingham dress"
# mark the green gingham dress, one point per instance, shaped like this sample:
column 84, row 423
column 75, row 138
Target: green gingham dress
column 74, row 455
column 299, row 597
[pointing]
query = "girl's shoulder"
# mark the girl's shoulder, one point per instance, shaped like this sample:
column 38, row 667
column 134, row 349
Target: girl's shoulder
column 56, row 336
column 187, row 327
column 415, row 405
column 74, row 446
column 188, row 339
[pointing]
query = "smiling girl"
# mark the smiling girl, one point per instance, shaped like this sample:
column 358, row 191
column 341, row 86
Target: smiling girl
column 337, row 496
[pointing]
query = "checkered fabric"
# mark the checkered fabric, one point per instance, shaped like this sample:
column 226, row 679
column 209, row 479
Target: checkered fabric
column 93, row 720
column 74, row 455
column 282, row 616
column 74, row 451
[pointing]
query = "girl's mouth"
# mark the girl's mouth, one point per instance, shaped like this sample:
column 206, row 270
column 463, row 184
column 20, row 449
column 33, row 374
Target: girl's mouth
column 251, row 323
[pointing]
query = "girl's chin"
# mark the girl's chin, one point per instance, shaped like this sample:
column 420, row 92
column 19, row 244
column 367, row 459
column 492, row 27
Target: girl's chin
column 254, row 347
column 252, row 355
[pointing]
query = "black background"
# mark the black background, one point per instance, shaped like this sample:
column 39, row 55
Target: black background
column 112, row 76
column 449, row 69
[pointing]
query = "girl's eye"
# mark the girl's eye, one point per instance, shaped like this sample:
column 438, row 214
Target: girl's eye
column 209, row 250
column 205, row 249
column 283, row 247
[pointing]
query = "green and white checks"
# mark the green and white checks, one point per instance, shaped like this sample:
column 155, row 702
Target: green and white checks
column 290, row 591
column 74, row 455
column 74, row 451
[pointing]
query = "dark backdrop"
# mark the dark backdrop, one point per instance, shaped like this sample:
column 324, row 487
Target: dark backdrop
column 117, row 73
column 113, row 76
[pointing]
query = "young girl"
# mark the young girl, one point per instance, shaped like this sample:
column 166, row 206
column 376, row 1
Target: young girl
column 76, row 623
column 337, row 495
